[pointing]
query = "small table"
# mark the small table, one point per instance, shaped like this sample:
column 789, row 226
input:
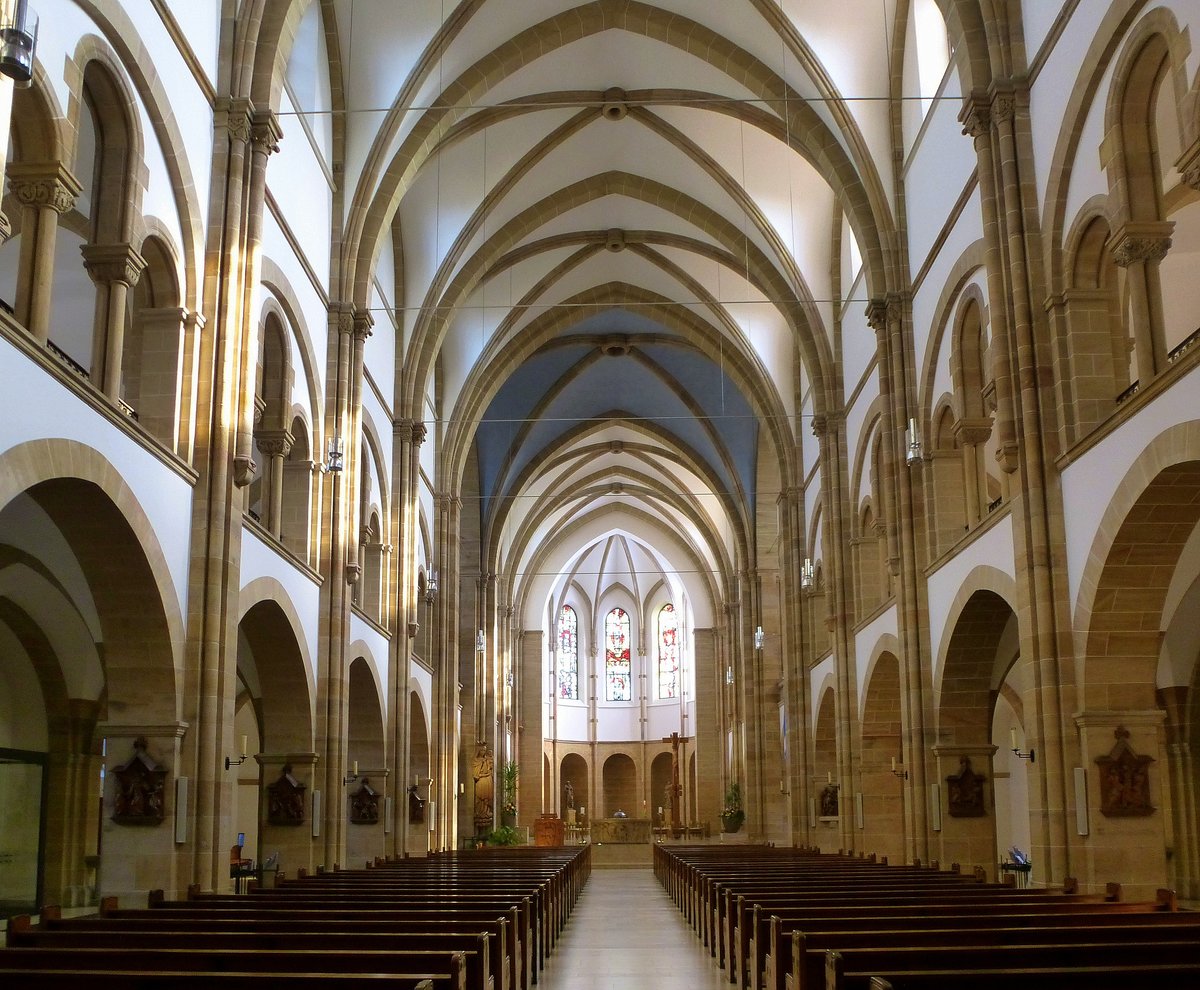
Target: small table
column 1021, row 871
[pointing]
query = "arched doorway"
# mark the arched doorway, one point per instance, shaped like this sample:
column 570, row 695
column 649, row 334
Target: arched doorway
column 620, row 786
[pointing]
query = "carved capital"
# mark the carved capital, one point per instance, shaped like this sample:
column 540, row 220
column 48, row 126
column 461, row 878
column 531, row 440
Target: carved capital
column 820, row 424
column 353, row 572
column 1188, row 165
column 43, row 184
column 274, row 443
column 877, row 315
column 1141, row 241
column 109, row 263
column 972, row 432
column 419, row 432
column 363, row 322
column 975, row 116
column 341, row 315
column 265, row 132
column 234, row 115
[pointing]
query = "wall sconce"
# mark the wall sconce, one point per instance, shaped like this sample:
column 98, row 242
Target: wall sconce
column 333, row 456
column 509, row 679
column 729, row 674
column 759, row 637
column 480, row 642
column 231, row 762
column 1031, row 756
column 352, row 776
column 807, row 573
column 899, row 770
column 18, row 43
column 431, row 588
column 913, row 444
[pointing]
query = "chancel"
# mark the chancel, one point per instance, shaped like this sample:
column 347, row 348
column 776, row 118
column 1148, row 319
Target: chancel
column 544, row 440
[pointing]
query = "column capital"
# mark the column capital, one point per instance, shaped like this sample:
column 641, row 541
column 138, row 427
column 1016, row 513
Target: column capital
column 972, row 432
column 235, row 116
column 1141, row 240
column 265, row 131
column 341, row 315
column 44, row 184
column 976, row 115
column 109, row 263
column 274, row 443
column 363, row 322
column 1188, row 165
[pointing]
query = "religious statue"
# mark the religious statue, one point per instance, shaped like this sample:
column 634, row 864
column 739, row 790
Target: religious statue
column 569, row 795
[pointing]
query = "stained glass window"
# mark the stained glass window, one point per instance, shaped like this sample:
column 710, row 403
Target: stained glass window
column 618, row 678
column 668, row 651
column 568, row 654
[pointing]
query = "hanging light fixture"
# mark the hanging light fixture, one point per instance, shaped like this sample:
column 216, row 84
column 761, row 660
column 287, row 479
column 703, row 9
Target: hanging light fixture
column 18, row 43
column 480, row 642
column 333, row 455
column 913, row 444
column 807, row 573
column 759, row 638
column 431, row 588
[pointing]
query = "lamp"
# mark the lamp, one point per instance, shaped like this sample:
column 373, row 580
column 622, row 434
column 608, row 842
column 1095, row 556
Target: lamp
column 913, row 456
column 899, row 770
column 729, row 674
column 480, row 642
column 333, row 455
column 231, row 762
column 1031, row 756
column 431, row 588
column 18, row 43
column 759, row 637
column 352, row 776
column 807, row 573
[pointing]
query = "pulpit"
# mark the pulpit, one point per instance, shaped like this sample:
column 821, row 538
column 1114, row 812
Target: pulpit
column 548, row 830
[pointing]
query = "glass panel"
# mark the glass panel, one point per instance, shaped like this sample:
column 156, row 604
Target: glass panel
column 668, row 651
column 568, row 654
column 618, row 677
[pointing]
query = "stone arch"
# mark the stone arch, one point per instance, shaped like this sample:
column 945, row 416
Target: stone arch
column 1123, row 588
column 619, row 777
column 880, row 744
column 365, row 748
column 575, row 770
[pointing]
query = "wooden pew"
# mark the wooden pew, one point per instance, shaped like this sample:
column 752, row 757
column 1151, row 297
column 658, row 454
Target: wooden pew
column 120, row 979
column 1129, row 976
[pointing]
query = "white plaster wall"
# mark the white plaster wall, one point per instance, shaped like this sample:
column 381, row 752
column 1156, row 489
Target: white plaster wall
column 817, row 680
column 1055, row 84
column 1087, row 178
column 261, row 560
column 994, row 549
column 34, row 406
column 422, row 681
column 1038, row 16
column 200, row 21
column 1090, row 483
column 572, row 722
column 884, row 624
column 311, row 302
column 300, row 186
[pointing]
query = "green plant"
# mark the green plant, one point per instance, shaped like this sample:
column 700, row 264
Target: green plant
column 508, row 787
column 505, row 835
column 733, row 813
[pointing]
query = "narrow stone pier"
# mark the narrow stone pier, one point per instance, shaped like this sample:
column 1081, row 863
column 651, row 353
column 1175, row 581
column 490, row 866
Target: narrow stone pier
column 626, row 934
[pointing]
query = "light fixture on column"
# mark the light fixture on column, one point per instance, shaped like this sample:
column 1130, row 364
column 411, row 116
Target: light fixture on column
column 1031, row 756
column 18, row 43
column 759, row 638
column 431, row 588
column 480, row 642
column 729, row 674
column 807, row 573
column 899, row 770
column 333, row 455
column 352, row 776
column 913, row 444
column 232, row 762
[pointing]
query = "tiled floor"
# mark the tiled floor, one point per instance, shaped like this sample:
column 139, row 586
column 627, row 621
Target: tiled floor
column 626, row 934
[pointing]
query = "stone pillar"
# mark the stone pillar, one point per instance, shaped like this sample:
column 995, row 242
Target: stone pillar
column 1128, row 841
column 531, row 801
column 135, row 859
column 45, row 190
column 275, row 445
column 115, row 269
column 73, row 772
column 967, row 837
column 708, row 728
column 1139, row 247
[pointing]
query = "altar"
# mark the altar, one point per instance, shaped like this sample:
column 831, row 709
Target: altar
column 621, row 830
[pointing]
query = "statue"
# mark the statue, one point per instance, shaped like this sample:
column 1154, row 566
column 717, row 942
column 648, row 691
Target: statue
column 569, row 799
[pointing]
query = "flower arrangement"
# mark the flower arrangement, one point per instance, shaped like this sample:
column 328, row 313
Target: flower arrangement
column 508, row 789
column 733, row 814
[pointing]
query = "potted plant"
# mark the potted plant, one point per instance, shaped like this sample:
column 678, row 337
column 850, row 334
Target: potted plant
column 733, row 814
column 508, row 791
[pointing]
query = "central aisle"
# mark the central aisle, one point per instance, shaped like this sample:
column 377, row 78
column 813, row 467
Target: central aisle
column 626, row 934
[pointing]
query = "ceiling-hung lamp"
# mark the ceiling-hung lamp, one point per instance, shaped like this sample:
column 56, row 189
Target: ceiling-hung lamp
column 480, row 642
column 807, row 573
column 18, row 43
column 333, row 455
column 759, row 638
column 913, row 444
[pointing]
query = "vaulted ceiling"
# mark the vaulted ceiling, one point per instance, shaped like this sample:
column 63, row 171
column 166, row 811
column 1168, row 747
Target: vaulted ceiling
column 618, row 235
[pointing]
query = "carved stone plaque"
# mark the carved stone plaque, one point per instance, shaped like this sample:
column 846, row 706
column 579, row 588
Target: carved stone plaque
column 285, row 799
column 364, row 804
column 140, row 789
column 1124, row 780
column 964, row 792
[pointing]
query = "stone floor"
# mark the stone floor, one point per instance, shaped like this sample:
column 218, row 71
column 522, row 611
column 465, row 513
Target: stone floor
column 626, row 934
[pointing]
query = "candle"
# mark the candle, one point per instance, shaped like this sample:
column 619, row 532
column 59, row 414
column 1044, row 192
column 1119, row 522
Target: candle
column 1012, row 735
column 893, row 763
column 416, row 780
column 829, row 776
column 242, row 751
column 355, row 770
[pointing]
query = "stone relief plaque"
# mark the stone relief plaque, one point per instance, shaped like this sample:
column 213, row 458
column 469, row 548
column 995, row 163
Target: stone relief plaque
column 1124, row 780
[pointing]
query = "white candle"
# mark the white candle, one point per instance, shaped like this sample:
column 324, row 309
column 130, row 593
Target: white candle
column 893, row 763
column 829, row 776
column 355, row 770
column 242, row 751
column 1012, row 734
